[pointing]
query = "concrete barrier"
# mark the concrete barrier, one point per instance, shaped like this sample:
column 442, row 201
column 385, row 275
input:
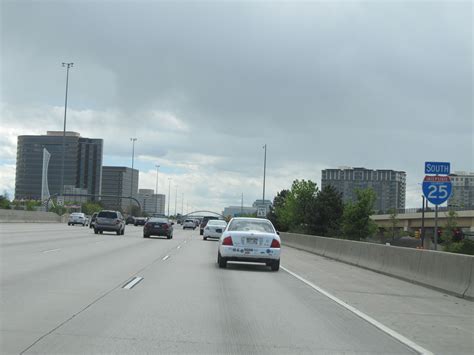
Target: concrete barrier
column 18, row 216
column 451, row 273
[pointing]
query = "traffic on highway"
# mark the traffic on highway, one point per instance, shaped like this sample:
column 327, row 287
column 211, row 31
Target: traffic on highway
column 67, row 291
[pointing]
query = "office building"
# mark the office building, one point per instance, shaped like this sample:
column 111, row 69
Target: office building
column 82, row 164
column 151, row 202
column 388, row 185
column 462, row 194
column 116, row 183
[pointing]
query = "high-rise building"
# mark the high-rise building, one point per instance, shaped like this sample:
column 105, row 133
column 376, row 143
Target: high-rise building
column 82, row 164
column 388, row 185
column 117, row 183
column 463, row 189
column 151, row 202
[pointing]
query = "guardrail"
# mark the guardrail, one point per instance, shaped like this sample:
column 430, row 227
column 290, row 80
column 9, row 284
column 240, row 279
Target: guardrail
column 20, row 216
column 447, row 272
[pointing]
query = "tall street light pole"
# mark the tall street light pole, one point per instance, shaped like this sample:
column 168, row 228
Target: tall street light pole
column 176, row 201
column 169, row 195
column 264, row 173
column 156, row 190
column 133, row 140
column 182, row 204
column 61, row 188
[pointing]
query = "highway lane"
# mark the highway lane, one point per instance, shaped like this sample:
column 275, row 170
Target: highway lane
column 72, row 300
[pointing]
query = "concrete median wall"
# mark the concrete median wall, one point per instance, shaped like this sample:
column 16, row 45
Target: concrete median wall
column 451, row 273
column 17, row 216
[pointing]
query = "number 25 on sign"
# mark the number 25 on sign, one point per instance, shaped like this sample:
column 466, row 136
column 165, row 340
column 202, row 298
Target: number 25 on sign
column 437, row 189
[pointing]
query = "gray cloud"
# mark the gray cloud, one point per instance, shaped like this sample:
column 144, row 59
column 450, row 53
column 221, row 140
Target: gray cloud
column 375, row 84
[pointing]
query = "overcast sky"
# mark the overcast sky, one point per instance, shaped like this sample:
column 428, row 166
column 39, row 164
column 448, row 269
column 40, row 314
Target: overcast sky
column 204, row 85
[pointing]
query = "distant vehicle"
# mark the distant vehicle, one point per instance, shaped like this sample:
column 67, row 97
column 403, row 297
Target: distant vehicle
column 159, row 215
column 159, row 227
column 109, row 221
column 189, row 223
column 203, row 224
column 214, row 229
column 77, row 218
column 250, row 240
column 197, row 222
column 92, row 220
column 139, row 221
column 130, row 220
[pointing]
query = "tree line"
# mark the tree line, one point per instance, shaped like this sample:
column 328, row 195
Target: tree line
column 304, row 208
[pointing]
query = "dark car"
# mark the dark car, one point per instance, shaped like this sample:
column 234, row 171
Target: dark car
column 139, row 221
column 109, row 221
column 92, row 220
column 130, row 220
column 159, row 227
column 204, row 223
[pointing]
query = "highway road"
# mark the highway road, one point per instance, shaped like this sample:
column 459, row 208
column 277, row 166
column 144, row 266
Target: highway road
column 65, row 290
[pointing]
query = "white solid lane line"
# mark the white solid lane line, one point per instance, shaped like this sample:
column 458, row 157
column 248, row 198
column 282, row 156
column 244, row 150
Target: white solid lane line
column 364, row 316
column 129, row 285
column 51, row 250
column 165, row 258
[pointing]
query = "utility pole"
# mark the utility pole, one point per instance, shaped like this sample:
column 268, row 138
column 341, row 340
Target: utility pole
column 422, row 221
column 176, row 202
column 182, row 204
column 156, row 189
column 169, row 196
column 242, row 205
column 61, row 188
column 264, row 173
column 133, row 140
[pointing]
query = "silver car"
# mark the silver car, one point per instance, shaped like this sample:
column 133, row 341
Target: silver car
column 109, row 221
column 214, row 229
column 77, row 218
column 252, row 240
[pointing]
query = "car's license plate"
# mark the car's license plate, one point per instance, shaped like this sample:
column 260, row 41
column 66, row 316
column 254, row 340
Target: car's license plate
column 218, row 230
column 252, row 240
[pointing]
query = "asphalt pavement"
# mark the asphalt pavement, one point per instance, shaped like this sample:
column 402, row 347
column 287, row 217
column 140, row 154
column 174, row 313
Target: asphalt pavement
column 65, row 290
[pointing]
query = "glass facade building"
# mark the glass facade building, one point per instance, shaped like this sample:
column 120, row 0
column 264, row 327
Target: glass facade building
column 82, row 164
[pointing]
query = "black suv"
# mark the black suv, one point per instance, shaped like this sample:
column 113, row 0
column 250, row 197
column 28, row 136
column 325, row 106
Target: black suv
column 204, row 223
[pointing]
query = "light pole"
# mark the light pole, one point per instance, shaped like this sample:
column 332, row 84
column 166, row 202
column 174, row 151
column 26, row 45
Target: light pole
column 169, row 196
column 61, row 188
column 133, row 140
column 182, row 204
column 264, row 173
column 176, row 201
column 156, row 190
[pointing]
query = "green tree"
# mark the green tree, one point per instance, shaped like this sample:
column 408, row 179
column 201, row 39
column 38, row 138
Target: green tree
column 326, row 219
column 90, row 207
column 276, row 211
column 31, row 204
column 356, row 221
column 300, row 206
column 393, row 229
column 5, row 202
column 450, row 226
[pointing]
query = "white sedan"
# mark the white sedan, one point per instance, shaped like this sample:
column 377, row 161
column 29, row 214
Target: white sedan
column 214, row 228
column 252, row 240
column 189, row 223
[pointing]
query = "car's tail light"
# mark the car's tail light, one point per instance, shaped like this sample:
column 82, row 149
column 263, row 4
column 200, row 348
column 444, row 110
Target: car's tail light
column 227, row 241
column 147, row 225
column 275, row 244
column 165, row 226
column 117, row 221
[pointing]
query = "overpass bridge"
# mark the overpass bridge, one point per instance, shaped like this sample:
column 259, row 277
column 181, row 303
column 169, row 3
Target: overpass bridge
column 412, row 221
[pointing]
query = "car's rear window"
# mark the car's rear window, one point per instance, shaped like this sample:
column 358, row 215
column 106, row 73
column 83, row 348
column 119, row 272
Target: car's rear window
column 77, row 214
column 189, row 220
column 107, row 214
column 250, row 225
column 158, row 220
column 217, row 223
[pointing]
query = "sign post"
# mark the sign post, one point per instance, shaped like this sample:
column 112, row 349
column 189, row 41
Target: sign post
column 437, row 188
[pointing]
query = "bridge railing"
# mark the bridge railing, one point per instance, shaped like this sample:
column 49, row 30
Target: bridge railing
column 429, row 209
